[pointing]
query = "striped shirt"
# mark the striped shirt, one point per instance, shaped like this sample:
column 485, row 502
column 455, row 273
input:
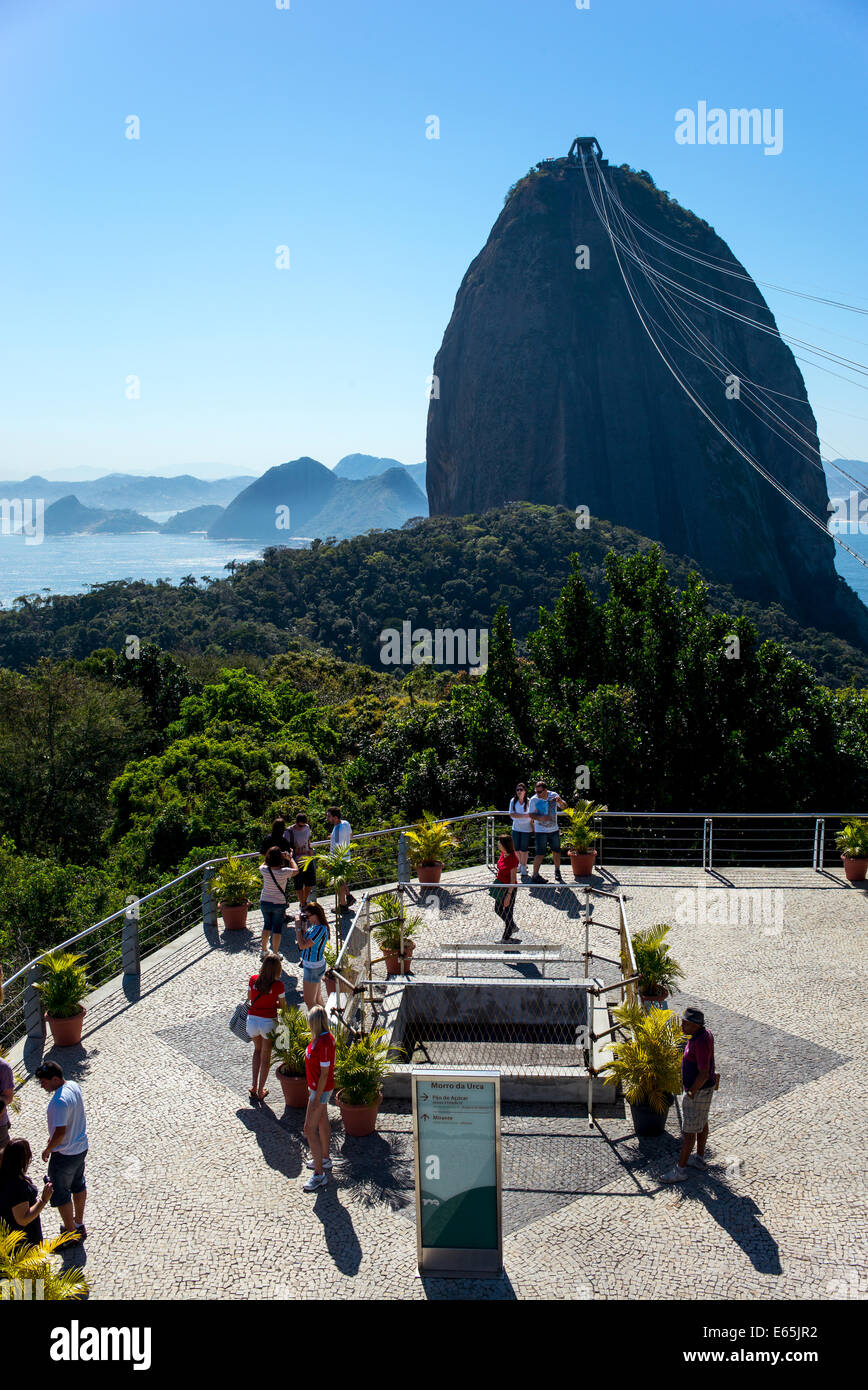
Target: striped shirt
column 318, row 933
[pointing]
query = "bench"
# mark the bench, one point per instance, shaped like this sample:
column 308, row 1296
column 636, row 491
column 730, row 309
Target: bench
column 541, row 951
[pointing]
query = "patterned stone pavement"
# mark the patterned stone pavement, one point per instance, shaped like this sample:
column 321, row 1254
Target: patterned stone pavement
column 195, row 1195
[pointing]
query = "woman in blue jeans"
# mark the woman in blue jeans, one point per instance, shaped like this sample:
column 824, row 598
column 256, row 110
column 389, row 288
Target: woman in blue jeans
column 312, row 935
column 276, row 871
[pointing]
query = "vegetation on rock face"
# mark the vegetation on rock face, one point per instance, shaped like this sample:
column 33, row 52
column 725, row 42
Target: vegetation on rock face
column 118, row 773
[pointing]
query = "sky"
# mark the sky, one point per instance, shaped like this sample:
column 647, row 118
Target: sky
column 150, row 265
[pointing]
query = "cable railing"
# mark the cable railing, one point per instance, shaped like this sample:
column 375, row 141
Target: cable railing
column 707, row 841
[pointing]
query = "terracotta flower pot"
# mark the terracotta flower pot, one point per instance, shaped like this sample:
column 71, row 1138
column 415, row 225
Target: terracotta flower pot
column 294, row 1089
column 67, row 1031
column 654, row 998
column 359, row 1120
column 854, row 869
column 429, row 873
column 331, row 983
column 234, row 918
column 393, row 958
column 582, row 862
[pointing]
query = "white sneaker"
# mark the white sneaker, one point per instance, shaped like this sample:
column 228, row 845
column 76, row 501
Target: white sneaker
column 675, row 1174
column 326, row 1163
column 697, row 1161
column 315, row 1182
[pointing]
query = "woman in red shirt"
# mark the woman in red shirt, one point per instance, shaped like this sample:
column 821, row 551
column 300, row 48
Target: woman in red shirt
column 264, row 994
column 504, row 898
column 319, row 1066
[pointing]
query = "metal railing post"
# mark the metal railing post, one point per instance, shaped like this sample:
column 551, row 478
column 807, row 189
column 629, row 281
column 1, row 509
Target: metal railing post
column 704, row 845
column 209, row 900
column 368, row 949
column 401, row 952
column 821, row 838
column 403, row 860
column 587, row 929
column 710, row 843
column 131, row 962
column 34, row 1013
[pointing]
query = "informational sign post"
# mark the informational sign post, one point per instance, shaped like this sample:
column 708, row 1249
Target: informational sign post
column 456, row 1128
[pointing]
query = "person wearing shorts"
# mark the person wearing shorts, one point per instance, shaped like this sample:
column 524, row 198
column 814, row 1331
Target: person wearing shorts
column 699, row 1080
column 66, row 1150
column 522, row 827
column 265, row 992
column 312, row 935
column 319, row 1067
column 544, row 812
column 276, row 871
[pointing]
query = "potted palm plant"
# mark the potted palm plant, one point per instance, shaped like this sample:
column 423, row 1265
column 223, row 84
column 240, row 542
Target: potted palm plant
column 291, row 1037
column 852, row 841
column 63, row 988
column 386, row 931
column 581, row 836
column 646, row 1064
column 429, row 845
column 658, row 972
column 361, row 1065
column 335, row 867
column 234, row 884
column 21, row 1262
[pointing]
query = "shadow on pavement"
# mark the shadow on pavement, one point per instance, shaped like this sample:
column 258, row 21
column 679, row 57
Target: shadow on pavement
column 281, row 1140
column 738, row 1216
column 340, row 1233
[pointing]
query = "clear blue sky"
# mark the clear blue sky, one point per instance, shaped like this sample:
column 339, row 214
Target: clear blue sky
column 306, row 127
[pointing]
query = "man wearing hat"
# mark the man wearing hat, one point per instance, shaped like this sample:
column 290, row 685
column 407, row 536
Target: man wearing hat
column 698, row 1079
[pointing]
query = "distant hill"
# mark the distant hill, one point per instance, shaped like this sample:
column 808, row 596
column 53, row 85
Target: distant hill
column 125, row 490
column 68, row 517
column 358, row 466
column 320, row 503
column 194, row 519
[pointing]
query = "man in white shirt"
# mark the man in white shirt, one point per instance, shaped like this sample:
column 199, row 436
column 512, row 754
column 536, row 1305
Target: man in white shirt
column 66, row 1149
column 544, row 812
column 341, row 834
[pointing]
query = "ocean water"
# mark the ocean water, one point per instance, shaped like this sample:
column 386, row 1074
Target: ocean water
column 70, row 564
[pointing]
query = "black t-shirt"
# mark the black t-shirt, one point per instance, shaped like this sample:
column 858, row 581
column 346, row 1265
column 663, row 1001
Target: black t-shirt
column 12, row 1194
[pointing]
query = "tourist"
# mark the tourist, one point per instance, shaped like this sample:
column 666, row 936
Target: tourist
column 699, row 1080
column 522, row 827
column 276, row 871
column 312, row 935
column 265, row 992
column 7, row 1095
column 544, row 810
column 319, row 1066
column 504, row 898
column 66, row 1150
column 20, row 1205
column 341, row 834
column 277, row 837
column 301, row 849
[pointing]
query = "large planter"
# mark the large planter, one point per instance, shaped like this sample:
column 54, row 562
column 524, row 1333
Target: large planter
column 294, row 1089
column 647, row 1121
column 429, row 873
column 393, row 958
column 854, row 869
column 359, row 1120
column 582, row 861
column 331, row 983
column 234, row 918
column 654, row 999
column 67, row 1031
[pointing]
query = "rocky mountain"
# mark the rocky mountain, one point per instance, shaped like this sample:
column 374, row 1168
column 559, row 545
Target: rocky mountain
column 358, row 466
column 129, row 490
column 320, row 504
column 68, row 517
column 551, row 391
column 194, row 519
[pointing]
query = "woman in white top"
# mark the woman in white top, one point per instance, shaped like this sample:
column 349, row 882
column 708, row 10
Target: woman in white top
column 522, row 825
column 276, row 872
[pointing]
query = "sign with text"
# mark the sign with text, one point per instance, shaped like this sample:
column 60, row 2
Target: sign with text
column 456, row 1128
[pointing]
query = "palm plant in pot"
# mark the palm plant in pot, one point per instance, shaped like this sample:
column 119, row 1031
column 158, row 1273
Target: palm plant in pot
column 334, row 868
column 581, row 836
column 291, row 1037
column 234, row 884
column 429, row 845
column 658, row 972
column 361, row 1065
column 63, row 988
column 646, row 1064
column 386, row 931
column 852, row 842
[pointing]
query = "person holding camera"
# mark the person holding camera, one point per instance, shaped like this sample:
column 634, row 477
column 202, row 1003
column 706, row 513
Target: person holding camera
column 312, row 935
column 20, row 1206
column 66, row 1150
column 277, row 869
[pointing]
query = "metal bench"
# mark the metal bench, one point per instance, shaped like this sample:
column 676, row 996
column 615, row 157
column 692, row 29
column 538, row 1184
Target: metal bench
column 540, row 952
